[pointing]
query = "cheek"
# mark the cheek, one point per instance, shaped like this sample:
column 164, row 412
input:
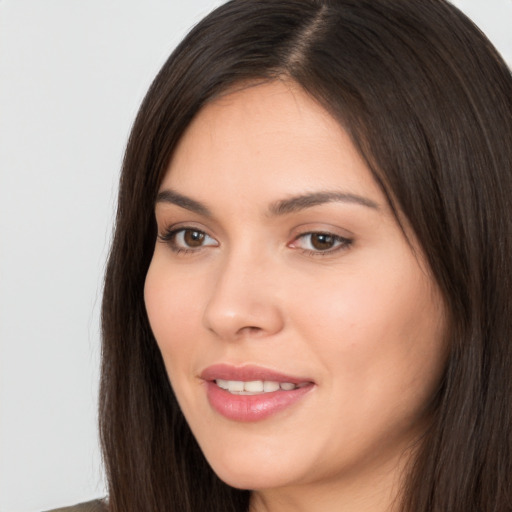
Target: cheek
column 381, row 334
column 174, row 314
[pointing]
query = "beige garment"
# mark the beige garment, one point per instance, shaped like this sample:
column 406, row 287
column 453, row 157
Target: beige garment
column 89, row 506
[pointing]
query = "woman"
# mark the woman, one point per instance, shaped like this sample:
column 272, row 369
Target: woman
column 307, row 302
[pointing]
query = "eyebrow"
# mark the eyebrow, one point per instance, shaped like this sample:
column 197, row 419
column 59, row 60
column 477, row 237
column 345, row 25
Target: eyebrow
column 172, row 197
column 278, row 208
column 303, row 201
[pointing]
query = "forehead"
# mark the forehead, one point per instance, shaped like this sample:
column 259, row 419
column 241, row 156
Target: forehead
column 273, row 131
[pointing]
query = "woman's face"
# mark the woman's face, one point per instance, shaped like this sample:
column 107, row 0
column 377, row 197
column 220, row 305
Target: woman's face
column 301, row 332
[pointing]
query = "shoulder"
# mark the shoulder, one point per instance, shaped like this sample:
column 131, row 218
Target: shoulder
column 89, row 506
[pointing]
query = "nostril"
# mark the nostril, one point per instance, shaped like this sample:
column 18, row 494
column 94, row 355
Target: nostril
column 251, row 330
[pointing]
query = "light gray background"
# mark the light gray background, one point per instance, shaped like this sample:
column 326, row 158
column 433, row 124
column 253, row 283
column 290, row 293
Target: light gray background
column 72, row 74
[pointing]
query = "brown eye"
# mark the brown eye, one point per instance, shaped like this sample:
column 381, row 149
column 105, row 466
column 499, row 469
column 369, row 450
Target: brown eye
column 193, row 238
column 322, row 241
column 187, row 240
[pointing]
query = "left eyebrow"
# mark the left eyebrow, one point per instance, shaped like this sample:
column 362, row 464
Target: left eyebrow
column 301, row 202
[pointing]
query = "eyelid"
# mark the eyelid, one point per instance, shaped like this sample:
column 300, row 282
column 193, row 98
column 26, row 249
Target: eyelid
column 169, row 234
column 341, row 243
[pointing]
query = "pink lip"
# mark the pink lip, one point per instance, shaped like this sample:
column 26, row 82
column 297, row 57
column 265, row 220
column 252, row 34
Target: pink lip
column 248, row 408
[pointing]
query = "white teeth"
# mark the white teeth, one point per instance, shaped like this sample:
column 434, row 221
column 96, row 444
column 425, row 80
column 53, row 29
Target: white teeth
column 269, row 386
column 222, row 383
column 253, row 387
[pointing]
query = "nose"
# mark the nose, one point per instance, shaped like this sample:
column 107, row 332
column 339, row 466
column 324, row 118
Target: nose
column 243, row 301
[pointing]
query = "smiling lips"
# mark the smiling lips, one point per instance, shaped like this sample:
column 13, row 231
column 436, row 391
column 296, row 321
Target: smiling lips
column 251, row 393
column 254, row 387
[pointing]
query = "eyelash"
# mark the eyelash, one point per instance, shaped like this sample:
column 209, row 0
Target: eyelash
column 343, row 243
column 169, row 238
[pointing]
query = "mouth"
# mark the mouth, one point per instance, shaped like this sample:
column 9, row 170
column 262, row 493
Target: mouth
column 256, row 387
column 252, row 393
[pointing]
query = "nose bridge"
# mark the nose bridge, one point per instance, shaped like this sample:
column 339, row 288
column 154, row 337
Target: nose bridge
column 242, row 299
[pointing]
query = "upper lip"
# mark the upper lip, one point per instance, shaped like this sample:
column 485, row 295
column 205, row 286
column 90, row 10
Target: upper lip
column 247, row 373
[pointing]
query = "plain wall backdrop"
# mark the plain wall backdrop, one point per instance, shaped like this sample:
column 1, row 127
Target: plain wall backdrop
column 72, row 75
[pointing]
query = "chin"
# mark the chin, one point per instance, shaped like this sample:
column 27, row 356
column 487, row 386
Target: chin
column 254, row 478
column 255, row 468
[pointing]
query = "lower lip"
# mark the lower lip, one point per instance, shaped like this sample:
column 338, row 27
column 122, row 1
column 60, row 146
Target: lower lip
column 252, row 407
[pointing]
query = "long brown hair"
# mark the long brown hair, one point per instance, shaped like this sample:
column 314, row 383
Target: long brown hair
column 428, row 102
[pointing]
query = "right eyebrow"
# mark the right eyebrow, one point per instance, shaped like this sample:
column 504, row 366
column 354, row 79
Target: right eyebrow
column 173, row 197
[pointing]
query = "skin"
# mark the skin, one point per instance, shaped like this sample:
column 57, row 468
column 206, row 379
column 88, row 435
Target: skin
column 361, row 319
